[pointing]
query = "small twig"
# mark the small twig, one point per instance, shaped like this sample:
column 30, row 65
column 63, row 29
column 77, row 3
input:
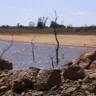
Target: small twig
column 63, row 56
column 52, row 61
column 6, row 49
column 51, row 16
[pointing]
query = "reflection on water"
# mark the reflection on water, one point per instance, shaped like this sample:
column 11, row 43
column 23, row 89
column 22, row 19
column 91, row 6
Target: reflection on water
column 20, row 54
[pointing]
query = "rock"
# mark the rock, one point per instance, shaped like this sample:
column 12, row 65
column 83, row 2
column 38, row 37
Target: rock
column 3, row 75
column 93, row 65
column 22, row 80
column 84, row 65
column 23, row 94
column 4, row 64
column 90, row 87
column 68, row 63
column 32, row 70
column 9, row 91
column 14, row 73
column 20, row 84
column 37, row 94
column 89, row 83
column 74, row 73
column 85, row 59
column 92, row 76
column 3, row 89
column 84, row 86
column 71, row 90
column 76, row 93
column 92, row 94
column 47, row 78
column 87, row 92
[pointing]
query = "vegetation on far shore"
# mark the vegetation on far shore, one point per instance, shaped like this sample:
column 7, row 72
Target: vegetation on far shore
column 41, row 27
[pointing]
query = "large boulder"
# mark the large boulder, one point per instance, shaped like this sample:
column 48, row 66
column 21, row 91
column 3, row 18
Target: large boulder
column 4, row 64
column 22, row 80
column 47, row 78
column 74, row 73
column 86, row 59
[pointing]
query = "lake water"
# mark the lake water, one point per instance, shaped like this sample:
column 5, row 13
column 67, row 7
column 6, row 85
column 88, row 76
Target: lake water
column 20, row 54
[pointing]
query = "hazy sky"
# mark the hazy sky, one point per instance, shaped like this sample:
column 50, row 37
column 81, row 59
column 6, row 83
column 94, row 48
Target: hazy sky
column 75, row 12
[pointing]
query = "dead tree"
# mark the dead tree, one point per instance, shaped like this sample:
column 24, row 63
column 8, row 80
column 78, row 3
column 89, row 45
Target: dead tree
column 55, row 33
column 52, row 61
column 7, row 48
column 33, row 55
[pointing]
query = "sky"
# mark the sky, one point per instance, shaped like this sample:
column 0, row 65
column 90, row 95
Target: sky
column 71, row 12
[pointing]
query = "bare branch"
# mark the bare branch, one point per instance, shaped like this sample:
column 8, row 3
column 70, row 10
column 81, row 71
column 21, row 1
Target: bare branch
column 63, row 56
column 52, row 61
column 52, row 16
column 33, row 55
column 56, row 17
column 6, row 49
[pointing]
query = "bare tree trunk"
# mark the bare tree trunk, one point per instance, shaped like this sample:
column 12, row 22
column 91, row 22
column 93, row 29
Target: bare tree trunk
column 55, row 33
column 33, row 55
column 57, row 46
column 6, row 49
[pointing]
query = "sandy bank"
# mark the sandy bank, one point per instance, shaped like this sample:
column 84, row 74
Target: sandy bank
column 73, row 40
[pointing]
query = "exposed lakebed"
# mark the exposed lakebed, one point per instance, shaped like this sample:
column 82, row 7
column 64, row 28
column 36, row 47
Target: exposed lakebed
column 20, row 54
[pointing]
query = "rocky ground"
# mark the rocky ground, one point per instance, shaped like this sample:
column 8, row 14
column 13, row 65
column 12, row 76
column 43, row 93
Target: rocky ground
column 73, row 79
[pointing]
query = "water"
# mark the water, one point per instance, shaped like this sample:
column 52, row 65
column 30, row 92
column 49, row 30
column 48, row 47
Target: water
column 20, row 54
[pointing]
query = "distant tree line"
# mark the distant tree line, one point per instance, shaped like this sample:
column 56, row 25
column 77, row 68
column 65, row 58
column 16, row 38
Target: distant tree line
column 42, row 23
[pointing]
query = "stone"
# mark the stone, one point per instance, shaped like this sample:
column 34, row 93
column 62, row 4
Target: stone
column 84, row 87
column 20, row 84
column 9, row 91
column 93, row 65
column 68, row 63
column 74, row 73
column 23, row 94
column 92, row 94
column 21, row 80
column 4, row 64
column 3, row 89
column 71, row 90
column 47, row 78
column 85, row 59
column 37, row 93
